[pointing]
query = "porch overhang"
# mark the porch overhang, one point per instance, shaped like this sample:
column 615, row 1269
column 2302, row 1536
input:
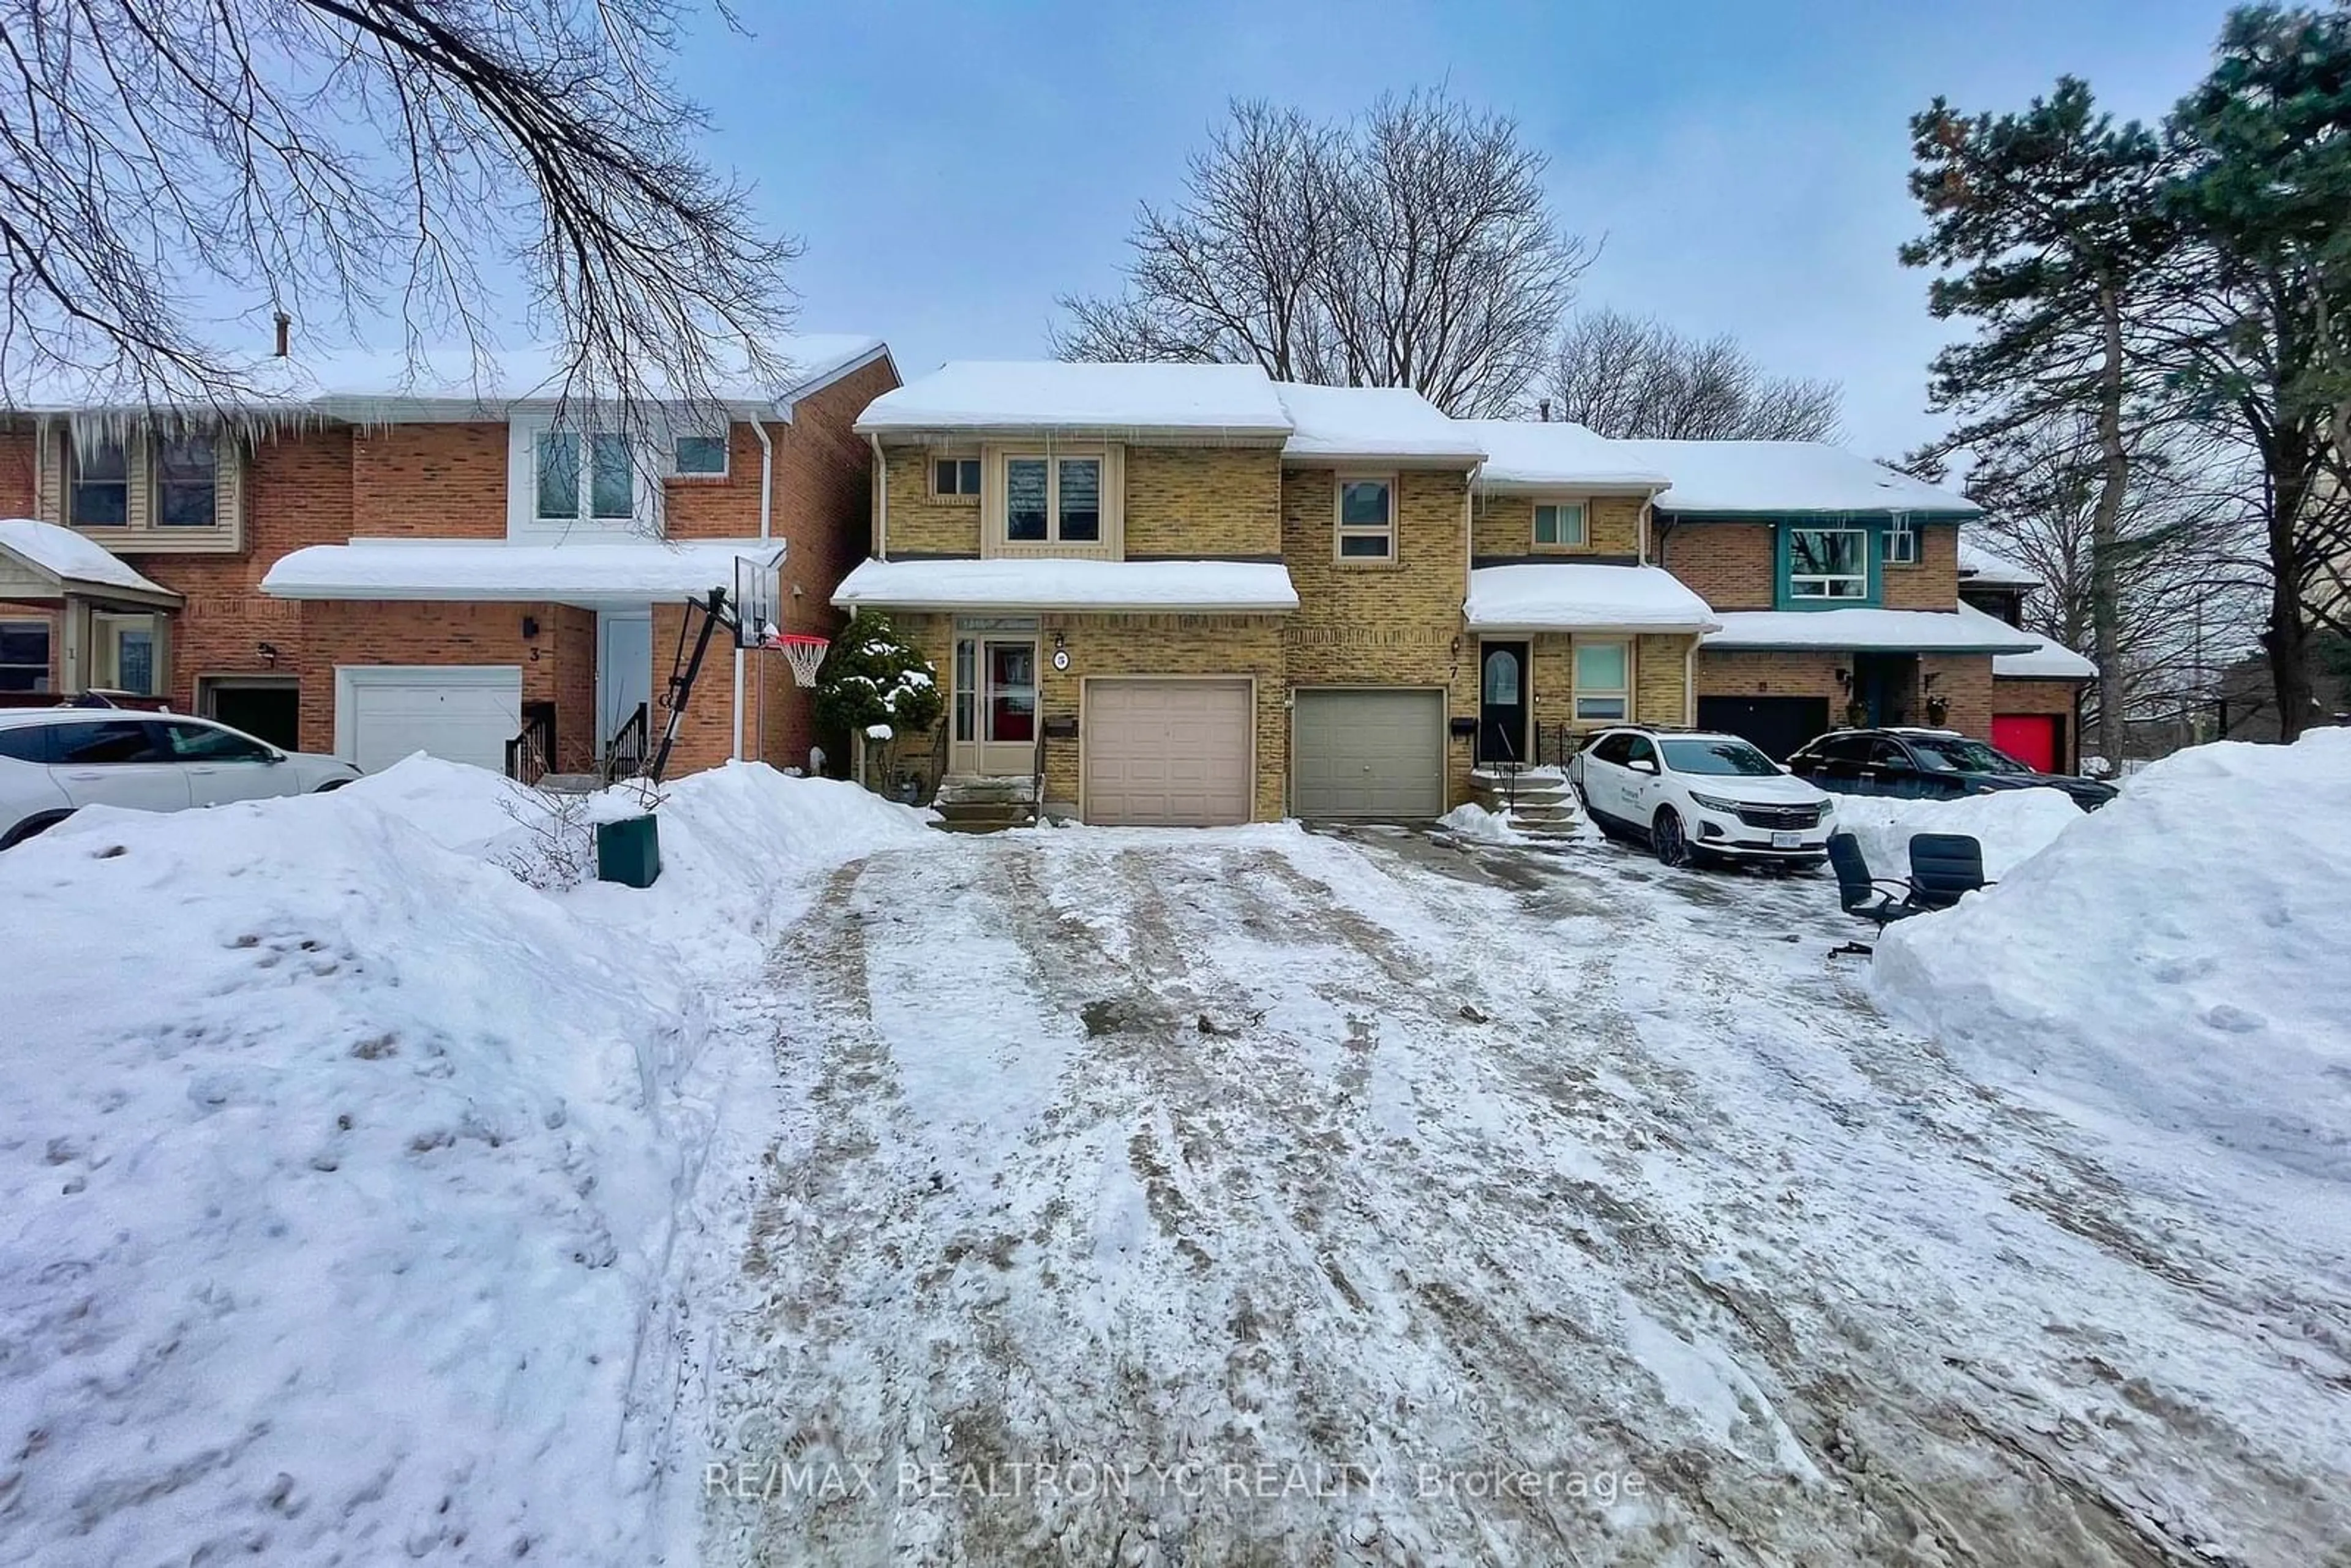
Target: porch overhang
column 1867, row 631
column 1029, row 584
column 492, row 571
column 43, row 563
column 1581, row 596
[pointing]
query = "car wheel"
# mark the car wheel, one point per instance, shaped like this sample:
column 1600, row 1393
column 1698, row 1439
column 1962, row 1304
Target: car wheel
column 1667, row 838
column 31, row 827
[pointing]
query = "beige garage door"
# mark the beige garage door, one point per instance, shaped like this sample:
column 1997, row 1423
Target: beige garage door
column 1166, row 753
column 1378, row 753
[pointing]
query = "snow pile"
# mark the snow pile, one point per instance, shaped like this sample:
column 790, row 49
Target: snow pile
column 2181, row 957
column 2012, row 825
column 348, row 1185
column 1471, row 820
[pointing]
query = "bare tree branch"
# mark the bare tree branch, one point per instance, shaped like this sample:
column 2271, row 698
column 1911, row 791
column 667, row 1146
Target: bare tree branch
column 1635, row 378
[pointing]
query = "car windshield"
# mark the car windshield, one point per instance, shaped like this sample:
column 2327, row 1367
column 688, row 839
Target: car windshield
column 1734, row 759
column 1956, row 754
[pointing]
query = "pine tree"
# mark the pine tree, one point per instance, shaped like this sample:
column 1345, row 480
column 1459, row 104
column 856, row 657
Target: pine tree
column 2047, row 227
column 2265, row 303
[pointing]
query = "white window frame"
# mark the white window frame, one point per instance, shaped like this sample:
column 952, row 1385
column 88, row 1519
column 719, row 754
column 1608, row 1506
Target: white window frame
column 1052, row 461
column 1583, row 540
column 1823, row 579
column 523, row 520
column 1621, row 697
column 1903, row 531
column 1342, row 531
column 70, row 481
column 726, row 454
column 41, row 678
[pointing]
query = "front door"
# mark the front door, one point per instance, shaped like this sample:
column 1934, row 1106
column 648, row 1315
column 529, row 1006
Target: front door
column 624, row 670
column 994, row 707
column 1884, row 681
column 1502, row 703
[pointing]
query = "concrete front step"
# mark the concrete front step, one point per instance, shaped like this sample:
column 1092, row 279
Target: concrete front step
column 964, row 788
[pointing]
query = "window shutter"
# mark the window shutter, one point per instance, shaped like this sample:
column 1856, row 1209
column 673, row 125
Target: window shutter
column 228, row 483
column 139, row 463
column 49, row 476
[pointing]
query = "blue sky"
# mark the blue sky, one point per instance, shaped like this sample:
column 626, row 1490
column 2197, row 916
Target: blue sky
column 952, row 168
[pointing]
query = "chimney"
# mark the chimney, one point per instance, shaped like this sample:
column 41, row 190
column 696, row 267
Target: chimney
column 1542, row 409
column 286, row 322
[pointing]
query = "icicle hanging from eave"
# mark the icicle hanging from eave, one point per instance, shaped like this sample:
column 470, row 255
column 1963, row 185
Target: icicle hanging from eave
column 91, row 429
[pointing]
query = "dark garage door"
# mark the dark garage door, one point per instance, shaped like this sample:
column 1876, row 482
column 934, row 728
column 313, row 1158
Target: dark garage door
column 1776, row 724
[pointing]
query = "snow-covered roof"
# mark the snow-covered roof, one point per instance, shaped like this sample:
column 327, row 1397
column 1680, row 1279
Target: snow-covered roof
column 1373, row 421
column 365, row 385
column 1984, row 568
column 72, row 560
column 2052, row 661
column 1056, row 395
column 1231, row 587
column 1528, row 454
column 1889, row 631
column 1776, row 478
column 1582, row 596
column 458, row 570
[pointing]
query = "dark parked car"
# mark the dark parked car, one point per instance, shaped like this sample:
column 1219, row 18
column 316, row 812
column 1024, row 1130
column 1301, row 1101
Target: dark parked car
column 1927, row 765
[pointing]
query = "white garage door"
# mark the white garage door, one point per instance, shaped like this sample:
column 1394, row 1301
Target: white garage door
column 1166, row 753
column 1377, row 752
column 463, row 712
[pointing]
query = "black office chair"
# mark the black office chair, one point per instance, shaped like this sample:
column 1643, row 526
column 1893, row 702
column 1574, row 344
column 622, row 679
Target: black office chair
column 1944, row 867
column 1878, row 900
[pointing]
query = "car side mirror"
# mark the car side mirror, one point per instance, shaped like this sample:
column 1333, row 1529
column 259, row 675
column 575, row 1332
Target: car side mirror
column 1642, row 764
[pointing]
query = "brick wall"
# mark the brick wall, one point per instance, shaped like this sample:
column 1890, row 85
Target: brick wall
column 1964, row 681
column 1505, row 525
column 1661, row 679
column 920, row 524
column 1203, row 501
column 1658, row 680
column 705, row 736
column 558, row 665
column 1722, row 672
column 1387, row 623
column 437, row 481
column 1729, row 565
column 1934, row 582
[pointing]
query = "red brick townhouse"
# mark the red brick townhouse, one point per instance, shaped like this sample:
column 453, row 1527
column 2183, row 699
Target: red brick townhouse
column 378, row 564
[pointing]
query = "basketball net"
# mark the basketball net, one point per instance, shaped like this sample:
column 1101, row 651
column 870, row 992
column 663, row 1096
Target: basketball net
column 803, row 652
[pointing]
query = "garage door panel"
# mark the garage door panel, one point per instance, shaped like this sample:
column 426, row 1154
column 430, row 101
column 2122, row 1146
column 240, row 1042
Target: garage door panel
column 1774, row 726
column 1377, row 752
column 461, row 714
column 1168, row 753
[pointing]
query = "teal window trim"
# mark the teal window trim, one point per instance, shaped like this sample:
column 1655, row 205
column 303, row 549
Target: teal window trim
column 1872, row 532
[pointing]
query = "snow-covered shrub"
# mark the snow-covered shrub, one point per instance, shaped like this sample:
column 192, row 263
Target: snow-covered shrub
column 873, row 679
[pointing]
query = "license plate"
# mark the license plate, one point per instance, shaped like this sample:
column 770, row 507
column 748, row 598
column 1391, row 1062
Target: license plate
column 1787, row 841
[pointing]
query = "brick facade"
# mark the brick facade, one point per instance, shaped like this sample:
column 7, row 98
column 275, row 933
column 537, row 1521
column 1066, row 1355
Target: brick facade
column 1933, row 584
column 325, row 484
column 1729, row 565
column 1203, row 501
column 1503, row 526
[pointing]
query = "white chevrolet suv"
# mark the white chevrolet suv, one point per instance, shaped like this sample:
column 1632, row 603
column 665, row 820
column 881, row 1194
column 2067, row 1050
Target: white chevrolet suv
column 54, row 761
column 1692, row 796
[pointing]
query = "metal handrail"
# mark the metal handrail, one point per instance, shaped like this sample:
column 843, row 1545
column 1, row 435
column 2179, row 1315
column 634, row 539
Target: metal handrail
column 624, row 757
column 527, row 760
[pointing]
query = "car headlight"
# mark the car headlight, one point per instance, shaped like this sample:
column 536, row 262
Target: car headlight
column 1714, row 802
column 1828, row 805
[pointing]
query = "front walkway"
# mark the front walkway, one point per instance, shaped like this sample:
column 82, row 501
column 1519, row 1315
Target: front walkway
column 1280, row 1191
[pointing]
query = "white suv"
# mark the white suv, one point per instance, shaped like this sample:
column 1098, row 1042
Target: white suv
column 1693, row 796
column 54, row 761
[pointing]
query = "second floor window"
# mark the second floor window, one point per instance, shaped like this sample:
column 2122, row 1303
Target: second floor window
column 1367, row 519
column 1560, row 525
column 1828, row 564
column 1902, row 543
column 101, row 497
column 1052, row 500
column 603, row 487
column 955, row 476
column 186, row 476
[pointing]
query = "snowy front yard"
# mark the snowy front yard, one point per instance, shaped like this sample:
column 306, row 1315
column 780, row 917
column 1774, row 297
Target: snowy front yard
column 1261, row 1195
column 862, row 1193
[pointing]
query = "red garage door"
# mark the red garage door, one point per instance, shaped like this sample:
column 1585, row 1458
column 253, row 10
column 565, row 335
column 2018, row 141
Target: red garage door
column 2030, row 737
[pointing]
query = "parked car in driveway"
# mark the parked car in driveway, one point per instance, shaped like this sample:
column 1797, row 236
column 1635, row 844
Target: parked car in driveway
column 1927, row 765
column 54, row 761
column 1694, row 796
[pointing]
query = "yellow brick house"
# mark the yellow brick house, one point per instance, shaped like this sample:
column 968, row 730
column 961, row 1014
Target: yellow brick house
column 1177, row 594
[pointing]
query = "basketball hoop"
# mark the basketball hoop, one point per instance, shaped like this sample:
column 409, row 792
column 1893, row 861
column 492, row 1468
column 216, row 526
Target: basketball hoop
column 803, row 652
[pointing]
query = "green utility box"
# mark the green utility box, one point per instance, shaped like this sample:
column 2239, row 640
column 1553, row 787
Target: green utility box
column 627, row 852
